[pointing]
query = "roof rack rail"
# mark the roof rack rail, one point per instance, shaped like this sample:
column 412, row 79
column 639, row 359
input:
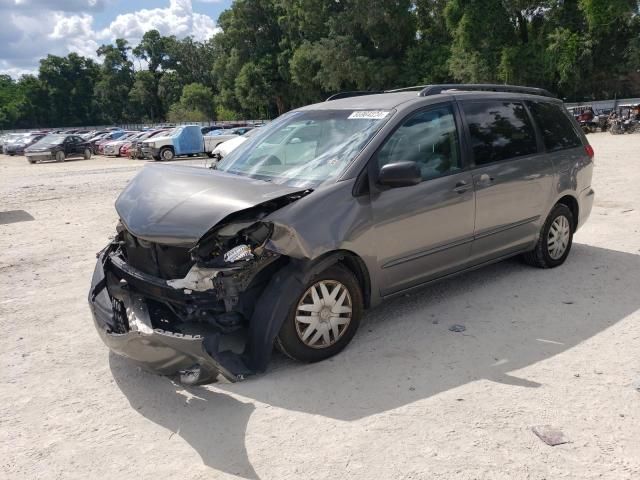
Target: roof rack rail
column 407, row 89
column 428, row 90
column 355, row 93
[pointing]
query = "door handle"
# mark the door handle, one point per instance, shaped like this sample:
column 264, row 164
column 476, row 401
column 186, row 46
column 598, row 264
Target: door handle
column 461, row 187
column 485, row 178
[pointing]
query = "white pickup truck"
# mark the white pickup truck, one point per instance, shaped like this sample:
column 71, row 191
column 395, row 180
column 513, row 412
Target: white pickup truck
column 181, row 141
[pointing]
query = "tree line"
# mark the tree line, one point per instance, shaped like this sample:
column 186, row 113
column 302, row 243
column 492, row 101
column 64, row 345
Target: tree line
column 274, row 55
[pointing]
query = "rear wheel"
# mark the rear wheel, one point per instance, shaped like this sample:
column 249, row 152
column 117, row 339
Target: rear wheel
column 555, row 240
column 60, row 157
column 31, row 161
column 324, row 319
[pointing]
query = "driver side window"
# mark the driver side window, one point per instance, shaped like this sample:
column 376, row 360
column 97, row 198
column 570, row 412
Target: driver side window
column 430, row 139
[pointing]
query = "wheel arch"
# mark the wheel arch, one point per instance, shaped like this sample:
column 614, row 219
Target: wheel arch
column 352, row 262
column 572, row 203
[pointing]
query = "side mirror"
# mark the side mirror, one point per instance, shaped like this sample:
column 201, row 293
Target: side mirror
column 400, row 174
column 295, row 141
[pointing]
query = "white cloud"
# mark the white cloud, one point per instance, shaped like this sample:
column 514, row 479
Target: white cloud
column 34, row 28
column 178, row 19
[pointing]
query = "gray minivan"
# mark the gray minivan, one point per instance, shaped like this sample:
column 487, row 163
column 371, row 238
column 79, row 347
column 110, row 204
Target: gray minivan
column 329, row 210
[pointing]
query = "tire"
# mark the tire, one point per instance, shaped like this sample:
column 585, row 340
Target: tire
column 543, row 256
column 60, row 157
column 166, row 154
column 290, row 338
column 87, row 153
column 31, row 161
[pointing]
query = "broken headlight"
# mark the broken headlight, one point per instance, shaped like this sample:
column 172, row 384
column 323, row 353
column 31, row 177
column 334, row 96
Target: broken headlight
column 241, row 252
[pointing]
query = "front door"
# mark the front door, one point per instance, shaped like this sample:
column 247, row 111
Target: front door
column 424, row 231
column 71, row 145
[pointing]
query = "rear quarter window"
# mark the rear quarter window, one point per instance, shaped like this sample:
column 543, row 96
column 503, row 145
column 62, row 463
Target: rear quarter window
column 499, row 130
column 556, row 127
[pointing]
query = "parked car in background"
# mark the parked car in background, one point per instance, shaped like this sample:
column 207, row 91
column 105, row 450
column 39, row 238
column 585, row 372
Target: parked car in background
column 100, row 144
column 225, row 148
column 18, row 147
column 181, row 141
column 217, row 137
column 208, row 129
column 58, row 147
column 135, row 148
column 94, row 133
column 10, row 142
column 112, row 148
column 103, row 138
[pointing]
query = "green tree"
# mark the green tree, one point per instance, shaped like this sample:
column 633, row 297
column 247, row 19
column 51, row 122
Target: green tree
column 70, row 82
column 196, row 104
column 116, row 80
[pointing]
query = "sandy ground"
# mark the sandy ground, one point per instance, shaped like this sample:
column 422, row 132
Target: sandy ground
column 408, row 399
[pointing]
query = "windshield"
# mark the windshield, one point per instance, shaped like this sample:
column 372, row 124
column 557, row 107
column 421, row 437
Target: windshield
column 52, row 140
column 14, row 137
column 126, row 136
column 305, row 148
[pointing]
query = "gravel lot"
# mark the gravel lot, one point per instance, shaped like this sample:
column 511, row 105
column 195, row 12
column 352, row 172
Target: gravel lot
column 409, row 399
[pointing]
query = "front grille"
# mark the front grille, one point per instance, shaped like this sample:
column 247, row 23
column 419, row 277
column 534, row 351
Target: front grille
column 161, row 261
column 120, row 320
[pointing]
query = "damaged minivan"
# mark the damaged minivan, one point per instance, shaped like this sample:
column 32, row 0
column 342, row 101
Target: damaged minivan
column 327, row 211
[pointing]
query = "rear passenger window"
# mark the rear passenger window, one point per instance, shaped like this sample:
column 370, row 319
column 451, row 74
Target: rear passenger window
column 499, row 130
column 557, row 130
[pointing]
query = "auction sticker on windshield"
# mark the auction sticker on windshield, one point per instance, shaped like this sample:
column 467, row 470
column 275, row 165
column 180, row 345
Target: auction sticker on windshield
column 368, row 115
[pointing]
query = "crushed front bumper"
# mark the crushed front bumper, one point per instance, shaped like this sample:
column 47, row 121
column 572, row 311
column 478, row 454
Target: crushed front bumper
column 115, row 301
column 150, row 152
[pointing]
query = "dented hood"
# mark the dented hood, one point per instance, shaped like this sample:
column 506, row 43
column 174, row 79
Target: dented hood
column 177, row 205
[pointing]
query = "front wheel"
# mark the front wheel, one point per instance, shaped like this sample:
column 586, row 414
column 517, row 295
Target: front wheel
column 555, row 240
column 87, row 153
column 324, row 319
column 166, row 154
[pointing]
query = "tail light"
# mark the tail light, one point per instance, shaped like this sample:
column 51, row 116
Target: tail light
column 589, row 150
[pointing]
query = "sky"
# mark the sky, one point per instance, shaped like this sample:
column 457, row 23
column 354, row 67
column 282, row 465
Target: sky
column 31, row 29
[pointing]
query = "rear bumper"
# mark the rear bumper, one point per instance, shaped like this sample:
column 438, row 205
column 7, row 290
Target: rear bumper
column 585, row 205
column 118, row 303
